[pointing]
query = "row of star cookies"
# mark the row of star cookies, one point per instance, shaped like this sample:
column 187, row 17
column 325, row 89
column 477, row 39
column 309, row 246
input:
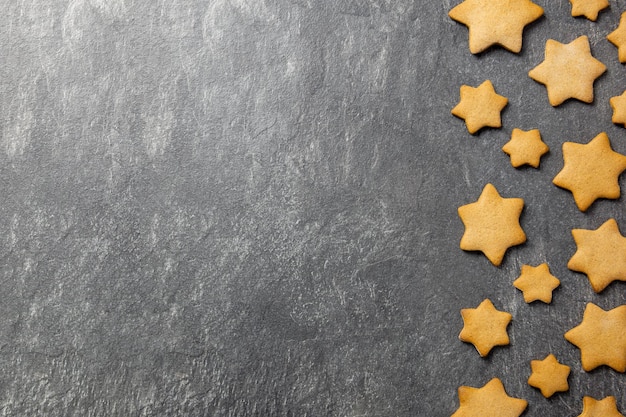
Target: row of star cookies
column 510, row 18
column 492, row 400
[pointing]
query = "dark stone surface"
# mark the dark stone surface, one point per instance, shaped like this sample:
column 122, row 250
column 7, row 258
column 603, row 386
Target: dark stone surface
column 248, row 208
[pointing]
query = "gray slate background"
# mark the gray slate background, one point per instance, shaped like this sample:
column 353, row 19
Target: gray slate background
column 248, row 208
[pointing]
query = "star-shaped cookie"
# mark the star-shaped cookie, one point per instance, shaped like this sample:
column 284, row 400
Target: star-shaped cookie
column 600, row 254
column 489, row 401
column 525, row 148
column 492, row 224
column 480, row 107
column 591, row 171
column 606, row 407
column 485, row 327
column 601, row 338
column 618, row 104
column 496, row 22
column 549, row 376
column 568, row 71
column 618, row 38
column 537, row 283
column 588, row 8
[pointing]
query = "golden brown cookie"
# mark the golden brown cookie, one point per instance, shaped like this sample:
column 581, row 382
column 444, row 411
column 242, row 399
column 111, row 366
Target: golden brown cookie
column 618, row 38
column 600, row 254
column 549, row 376
column 525, row 148
column 618, row 104
column 485, row 327
column 606, row 407
column 496, row 22
column 591, row 171
column 492, row 224
column 568, row 71
column 480, row 107
column 489, row 401
column 537, row 283
column 588, row 8
column 601, row 338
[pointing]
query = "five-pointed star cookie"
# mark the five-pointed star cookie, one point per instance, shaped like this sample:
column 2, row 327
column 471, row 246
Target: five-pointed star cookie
column 480, row 107
column 591, row 171
column 485, row 327
column 601, row 338
column 618, row 104
column 568, row 71
column 549, row 376
column 618, row 38
column 489, row 401
column 525, row 148
column 492, row 224
column 496, row 22
column 606, row 407
column 537, row 283
column 601, row 254
column 588, row 8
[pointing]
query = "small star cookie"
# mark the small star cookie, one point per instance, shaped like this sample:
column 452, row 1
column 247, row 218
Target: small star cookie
column 618, row 104
column 496, row 22
column 485, row 327
column 480, row 107
column 591, row 171
column 525, row 148
column 600, row 254
column 568, row 71
column 606, row 407
column 492, row 224
column 618, row 38
column 537, row 283
column 549, row 376
column 489, row 401
column 601, row 338
column 588, row 8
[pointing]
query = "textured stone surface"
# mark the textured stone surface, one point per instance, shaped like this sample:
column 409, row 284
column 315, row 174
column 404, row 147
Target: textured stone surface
column 248, row 208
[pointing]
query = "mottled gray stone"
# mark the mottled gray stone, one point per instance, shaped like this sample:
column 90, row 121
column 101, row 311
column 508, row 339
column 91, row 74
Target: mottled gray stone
column 248, row 208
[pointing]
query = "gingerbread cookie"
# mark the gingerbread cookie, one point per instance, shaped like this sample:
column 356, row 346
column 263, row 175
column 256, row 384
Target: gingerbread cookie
column 600, row 254
column 618, row 104
column 601, row 338
column 618, row 38
column 588, row 8
column 480, row 107
column 536, row 283
column 489, row 401
column 606, row 407
column 485, row 327
column 591, row 171
column 525, row 148
column 496, row 22
column 549, row 376
column 492, row 224
column 568, row 71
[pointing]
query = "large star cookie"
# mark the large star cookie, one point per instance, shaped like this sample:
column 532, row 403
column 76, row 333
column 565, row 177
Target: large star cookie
column 588, row 8
column 601, row 254
column 525, row 148
column 492, row 224
column 618, row 38
column 606, row 407
column 601, row 338
column 489, row 401
column 549, row 376
column 591, row 171
column 480, row 106
column 618, row 104
column 568, row 71
column 485, row 327
column 537, row 283
column 496, row 22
